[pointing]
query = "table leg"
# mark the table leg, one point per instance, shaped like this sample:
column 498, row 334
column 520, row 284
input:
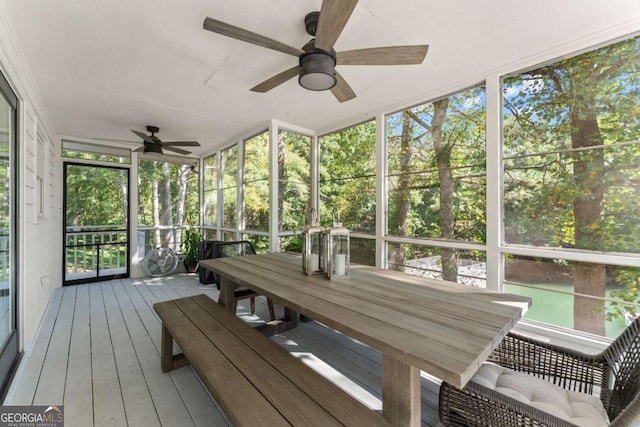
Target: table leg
column 290, row 317
column 400, row 392
column 226, row 298
column 166, row 359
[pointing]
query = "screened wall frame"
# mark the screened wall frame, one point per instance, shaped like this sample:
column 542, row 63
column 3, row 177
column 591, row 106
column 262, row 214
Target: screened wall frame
column 275, row 127
column 122, row 156
column 228, row 160
column 608, row 258
column 384, row 235
column 239, row 229
column 495, row 247
column 249, row 189
column 366, row 246
column 292, row 183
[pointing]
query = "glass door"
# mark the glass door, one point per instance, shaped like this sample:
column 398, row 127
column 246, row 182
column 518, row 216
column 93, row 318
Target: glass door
column 8, row 215
column 96, row 233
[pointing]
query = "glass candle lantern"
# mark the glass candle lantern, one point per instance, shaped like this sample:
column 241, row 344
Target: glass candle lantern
column 313, row 249
column 337, row 251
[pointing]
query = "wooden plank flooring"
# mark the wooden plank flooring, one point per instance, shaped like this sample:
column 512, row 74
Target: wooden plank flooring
column 98, row 354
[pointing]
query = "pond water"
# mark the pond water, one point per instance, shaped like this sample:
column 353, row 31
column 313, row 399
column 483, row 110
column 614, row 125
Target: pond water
column 553, row 303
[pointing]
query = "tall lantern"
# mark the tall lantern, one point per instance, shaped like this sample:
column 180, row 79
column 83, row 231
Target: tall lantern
column 313, row 248
column 337, row 251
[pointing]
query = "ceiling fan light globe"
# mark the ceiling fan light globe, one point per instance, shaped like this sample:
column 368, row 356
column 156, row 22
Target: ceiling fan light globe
column 152, row 149
column 317, row 71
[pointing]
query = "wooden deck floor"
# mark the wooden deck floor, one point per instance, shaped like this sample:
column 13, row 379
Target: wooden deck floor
column 98, row 354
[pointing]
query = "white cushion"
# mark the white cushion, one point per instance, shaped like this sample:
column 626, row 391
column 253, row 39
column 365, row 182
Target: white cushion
column 578, row 408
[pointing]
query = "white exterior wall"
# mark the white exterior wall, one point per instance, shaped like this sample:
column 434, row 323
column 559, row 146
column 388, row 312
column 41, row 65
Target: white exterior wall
column 39, row 238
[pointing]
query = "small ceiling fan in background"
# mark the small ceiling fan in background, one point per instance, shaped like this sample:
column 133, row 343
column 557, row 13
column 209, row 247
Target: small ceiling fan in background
column 317, row 59
column 153, row 144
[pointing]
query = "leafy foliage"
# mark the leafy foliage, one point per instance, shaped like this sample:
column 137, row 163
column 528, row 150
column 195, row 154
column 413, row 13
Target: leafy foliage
column 464, row 136
column 347, row 177
column 572, row 158
column 190, row 245
column 87, row 207
column 256, row 182
column 294, row 180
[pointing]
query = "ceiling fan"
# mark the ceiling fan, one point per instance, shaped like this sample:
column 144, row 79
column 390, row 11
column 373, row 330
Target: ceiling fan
column 317, row 59
column 153, row 144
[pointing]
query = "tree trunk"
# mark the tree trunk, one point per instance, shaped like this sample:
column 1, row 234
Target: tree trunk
column 155, row 205
column 448, row 256
column 399, row 225
column 124, row 190
column 281, row 178
column 75, row 217
column 166, row 211
column 183, row 176
column 588, row 210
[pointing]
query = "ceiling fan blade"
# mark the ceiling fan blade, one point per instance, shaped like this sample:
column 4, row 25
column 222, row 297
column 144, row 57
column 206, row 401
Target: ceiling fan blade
column 276, row 80
column 144, row 136
column 177, row 150
column 334, row 15
column 342, row 91
column 391, row 55
column 238, row 33
column 181, row 143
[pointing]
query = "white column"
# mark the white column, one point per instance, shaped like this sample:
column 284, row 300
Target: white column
column 134, row 262
column 381, row 192
column 495, row 259
column 273, row 188
column 240, row 191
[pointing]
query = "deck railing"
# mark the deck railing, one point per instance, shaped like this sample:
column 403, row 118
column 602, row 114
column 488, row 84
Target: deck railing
column 94, row 252
column 99, row 251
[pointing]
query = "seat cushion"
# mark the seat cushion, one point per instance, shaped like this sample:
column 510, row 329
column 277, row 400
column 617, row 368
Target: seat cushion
column 578, row 408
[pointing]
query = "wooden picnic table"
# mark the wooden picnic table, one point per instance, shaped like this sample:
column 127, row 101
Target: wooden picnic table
column 443, row 328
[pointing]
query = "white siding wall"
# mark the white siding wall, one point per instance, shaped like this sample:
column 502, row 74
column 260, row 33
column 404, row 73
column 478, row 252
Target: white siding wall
column 41, row 261
column 40, row 239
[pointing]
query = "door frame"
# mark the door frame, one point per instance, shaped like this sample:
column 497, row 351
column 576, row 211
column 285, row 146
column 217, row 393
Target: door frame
column 127, row 230
column 10, row 352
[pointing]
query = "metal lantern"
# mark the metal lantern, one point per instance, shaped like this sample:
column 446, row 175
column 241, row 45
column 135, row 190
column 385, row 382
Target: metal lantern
column 313, row 248
column 337, row 251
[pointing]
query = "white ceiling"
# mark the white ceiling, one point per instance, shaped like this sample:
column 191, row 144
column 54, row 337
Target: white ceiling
column 103, row 67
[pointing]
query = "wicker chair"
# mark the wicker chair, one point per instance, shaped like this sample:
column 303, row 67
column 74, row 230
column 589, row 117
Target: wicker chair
column 613, row 376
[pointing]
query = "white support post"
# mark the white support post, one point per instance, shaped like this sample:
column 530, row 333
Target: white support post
column 273, row 188
column 201, row 193
column 240, row 191
column 219, row 196
column 495, row 259
column 381, row 192
column 135, row 267
column 314, row 174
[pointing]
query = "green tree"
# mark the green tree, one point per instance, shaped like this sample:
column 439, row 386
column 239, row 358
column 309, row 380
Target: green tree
column 347, row 177
column 294, row 177
column 167, row 196
column 436, row 176
column 580, row 106
column 256, row 182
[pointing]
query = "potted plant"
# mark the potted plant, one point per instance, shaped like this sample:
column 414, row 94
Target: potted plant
column 190, row 249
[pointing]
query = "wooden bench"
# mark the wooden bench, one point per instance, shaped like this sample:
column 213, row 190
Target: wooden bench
column 254, row 380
